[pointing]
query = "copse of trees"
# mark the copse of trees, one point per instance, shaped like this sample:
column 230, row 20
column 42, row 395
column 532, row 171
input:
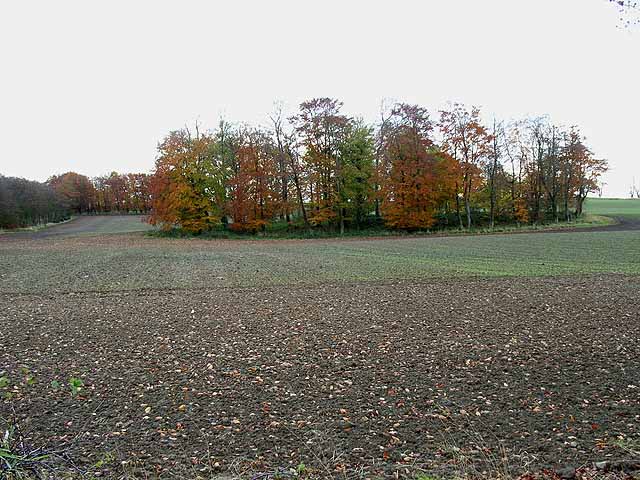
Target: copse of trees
column 322, row 168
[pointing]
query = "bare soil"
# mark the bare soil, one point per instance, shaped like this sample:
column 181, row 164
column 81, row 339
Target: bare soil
column 363, row 379
column 624, row 223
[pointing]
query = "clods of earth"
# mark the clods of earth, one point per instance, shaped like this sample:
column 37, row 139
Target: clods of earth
column 480, row 376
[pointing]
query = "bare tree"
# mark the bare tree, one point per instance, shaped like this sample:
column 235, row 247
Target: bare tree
column 283, row 170
column 494, row 167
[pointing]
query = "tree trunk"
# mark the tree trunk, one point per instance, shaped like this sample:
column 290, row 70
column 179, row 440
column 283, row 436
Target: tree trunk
column 492, row 180
column 467, row 202
column 458, row 207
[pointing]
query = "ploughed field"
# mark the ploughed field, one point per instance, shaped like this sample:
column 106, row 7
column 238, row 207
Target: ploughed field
column 353, row 357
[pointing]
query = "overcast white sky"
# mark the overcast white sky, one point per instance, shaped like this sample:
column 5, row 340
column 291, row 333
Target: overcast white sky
column 93, row 86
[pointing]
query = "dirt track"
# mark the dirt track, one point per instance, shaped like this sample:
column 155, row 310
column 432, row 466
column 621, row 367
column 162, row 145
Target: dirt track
column 623, row 224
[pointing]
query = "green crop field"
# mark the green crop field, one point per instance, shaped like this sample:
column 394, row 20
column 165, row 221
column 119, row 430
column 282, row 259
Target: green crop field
column 129, row 262
column 628, row 207
column 83, row 258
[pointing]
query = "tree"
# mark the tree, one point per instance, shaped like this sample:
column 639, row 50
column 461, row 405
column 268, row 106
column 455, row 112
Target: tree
column 254, row 186
column 298, row 173
column 76, row 189
column 357, row 157
column 138, row 193
column 321, row 129
column 294, row 169
column 516, row 149
column 283, row 163
column 188, row 185
column 493, row 168
column 416, row 178
column 546, row 150
column 468, row 142
column 586, row 169
column 381, row 142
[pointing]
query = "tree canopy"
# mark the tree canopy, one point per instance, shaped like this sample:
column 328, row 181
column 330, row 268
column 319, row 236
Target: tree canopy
column 412, row 171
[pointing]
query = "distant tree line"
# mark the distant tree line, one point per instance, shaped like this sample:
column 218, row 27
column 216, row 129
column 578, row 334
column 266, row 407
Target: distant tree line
column 25, row 203
column 120, row 193
column 323, row 169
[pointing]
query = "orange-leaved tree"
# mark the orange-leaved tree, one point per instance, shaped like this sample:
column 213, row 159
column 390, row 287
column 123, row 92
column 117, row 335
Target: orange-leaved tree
column 77, row 190
column 188, row 186
column 416, row 177
column 254, row 185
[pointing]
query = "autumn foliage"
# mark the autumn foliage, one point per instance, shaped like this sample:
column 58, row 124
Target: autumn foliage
column 253, row 185
column 186, row 187
column 25, row 203
column 77, row 189
column 322, row 168
column 416, row 177
column 121, row 193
